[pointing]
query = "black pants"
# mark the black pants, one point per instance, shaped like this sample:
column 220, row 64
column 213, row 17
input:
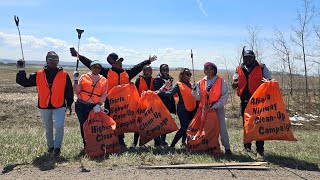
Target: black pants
column 259, row 144
column 82, row 111
column 120, row 136
column 185, row 118
column 136, row 136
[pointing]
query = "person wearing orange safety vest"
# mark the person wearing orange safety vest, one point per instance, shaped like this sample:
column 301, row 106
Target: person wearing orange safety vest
column 247, row 78
column 217, row 90
column 186, row 106
column 91, row 90
column 55, row 96
column 116, row 75
column 143, row 83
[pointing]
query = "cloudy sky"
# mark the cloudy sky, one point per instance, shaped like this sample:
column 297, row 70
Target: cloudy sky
column 135, row 29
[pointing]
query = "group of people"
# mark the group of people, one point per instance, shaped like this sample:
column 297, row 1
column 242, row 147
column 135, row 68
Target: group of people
column 55, row 93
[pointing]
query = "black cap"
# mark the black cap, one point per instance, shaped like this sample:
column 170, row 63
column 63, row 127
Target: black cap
column 113, row 57
column 51, row 55
column 248, row 53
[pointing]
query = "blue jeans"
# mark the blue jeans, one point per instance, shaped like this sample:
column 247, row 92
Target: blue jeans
column 185, row 118
column 82, row 111
column 47, row 120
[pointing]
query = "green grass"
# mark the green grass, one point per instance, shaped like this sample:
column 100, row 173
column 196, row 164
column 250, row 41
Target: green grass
column 22, row 140
column 25, row 144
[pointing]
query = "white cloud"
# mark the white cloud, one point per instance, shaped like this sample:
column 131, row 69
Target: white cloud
column 35, row 48
column 200, row 5
column 31, row 41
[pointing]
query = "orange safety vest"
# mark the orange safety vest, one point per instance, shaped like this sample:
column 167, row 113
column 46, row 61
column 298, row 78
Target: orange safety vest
column 55, row 95
column 254, row 80
column 90, row 90
column 113, row 79
column 188, row 99
column 214, row 93
column 143, row 85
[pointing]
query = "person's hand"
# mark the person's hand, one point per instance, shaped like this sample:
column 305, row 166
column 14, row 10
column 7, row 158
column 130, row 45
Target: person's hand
column 234, row 85
column 264, row 80
column 153, row 58
column 106, row 111
column 69, row 109
column 76, row 75
column 194, row 86
column 73, row 52
column 21, row 64
column 97, row 108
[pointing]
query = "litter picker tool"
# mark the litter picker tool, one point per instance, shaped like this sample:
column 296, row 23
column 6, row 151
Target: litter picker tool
column 243, row 49
column 80, row 31
column 20, row 62
column 192, row 66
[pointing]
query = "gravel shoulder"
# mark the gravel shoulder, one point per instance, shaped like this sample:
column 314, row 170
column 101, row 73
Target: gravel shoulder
column 128, row 172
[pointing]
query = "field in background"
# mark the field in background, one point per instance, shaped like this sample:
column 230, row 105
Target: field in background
column 23, row 143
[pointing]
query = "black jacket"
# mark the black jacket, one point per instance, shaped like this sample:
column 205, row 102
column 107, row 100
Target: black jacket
column 167, row 101
column 104, row 71
column 22, row 80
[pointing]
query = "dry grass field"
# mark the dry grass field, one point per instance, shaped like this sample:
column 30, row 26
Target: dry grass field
column 22, row 140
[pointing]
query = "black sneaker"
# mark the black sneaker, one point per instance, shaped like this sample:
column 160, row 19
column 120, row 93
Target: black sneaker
column 56, row 152
column 123, row 146
column 172, row 149
column 50, row 150
column 164, row 144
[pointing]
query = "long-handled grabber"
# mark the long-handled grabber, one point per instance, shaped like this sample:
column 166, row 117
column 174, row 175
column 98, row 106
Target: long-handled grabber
column 80, row 31
column 192, row 67
column 20, row 62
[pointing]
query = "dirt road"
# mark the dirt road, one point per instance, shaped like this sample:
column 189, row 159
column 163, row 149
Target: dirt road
column 128, row 172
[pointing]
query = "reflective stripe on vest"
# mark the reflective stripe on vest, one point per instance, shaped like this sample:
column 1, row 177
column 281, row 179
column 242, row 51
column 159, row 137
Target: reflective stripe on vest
column 254, row 79
column 56, row 93
column 90, row 90
column 113, row 79
column 188, row 99
column 143, row 85
column 214, row 93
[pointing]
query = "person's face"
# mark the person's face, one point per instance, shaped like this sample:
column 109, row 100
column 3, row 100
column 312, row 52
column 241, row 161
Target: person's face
column 95, row 69
column 52, row 63
column 164, row 71
column 186, row 76
column 117, row 65
column 209, row 71
column 147, row 72
column 248, row 60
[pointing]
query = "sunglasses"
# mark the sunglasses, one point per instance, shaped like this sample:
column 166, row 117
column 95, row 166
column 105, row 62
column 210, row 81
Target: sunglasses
column 188, row 74
column 165, row 69
column 52, row 59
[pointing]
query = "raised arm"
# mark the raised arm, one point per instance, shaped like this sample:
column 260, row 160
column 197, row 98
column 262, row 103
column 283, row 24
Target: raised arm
column 170, row 93
column 21, row 79
column 139, row 67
